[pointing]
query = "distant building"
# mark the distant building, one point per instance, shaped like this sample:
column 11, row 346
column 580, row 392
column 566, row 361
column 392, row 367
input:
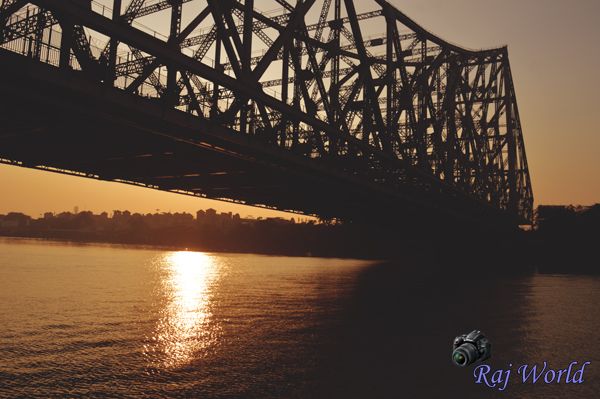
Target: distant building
column 211, row 213
column 278, row 221
column 15, row 220
column 551, row 216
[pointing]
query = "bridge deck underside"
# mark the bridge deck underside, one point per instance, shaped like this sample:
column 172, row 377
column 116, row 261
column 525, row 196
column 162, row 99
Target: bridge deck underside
column 55, row 120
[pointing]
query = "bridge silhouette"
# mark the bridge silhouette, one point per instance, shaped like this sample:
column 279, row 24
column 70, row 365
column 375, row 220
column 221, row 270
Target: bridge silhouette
column 335, row 108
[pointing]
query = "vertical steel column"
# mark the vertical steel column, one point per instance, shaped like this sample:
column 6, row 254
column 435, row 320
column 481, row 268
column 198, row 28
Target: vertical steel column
column 284, row 92
column 172, row 91
column 335, row 64
column 297, row 91
column 452, row 79
column 66, row 42
column 39, row 34
column 114, row 44
column 390, row 71
column 513, row 195
column 246, row 60
column 214, row 111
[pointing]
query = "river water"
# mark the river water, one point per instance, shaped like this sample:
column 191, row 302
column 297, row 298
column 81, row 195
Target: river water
column 113, row 321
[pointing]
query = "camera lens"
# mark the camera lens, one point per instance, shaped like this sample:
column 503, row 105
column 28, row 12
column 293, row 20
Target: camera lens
column 459, row 358
column 465, row 355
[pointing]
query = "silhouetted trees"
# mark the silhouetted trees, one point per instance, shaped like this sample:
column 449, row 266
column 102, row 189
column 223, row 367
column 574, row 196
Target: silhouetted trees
column 209, row 231
column 568, row 222
column 564, row 238
column 567, row 238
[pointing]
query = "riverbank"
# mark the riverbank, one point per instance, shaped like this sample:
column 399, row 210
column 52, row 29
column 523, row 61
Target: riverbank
column 523, row 254
column 310, row 248
column 564, row 238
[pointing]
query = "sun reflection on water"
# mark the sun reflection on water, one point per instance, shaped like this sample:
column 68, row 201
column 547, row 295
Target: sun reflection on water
column 185, row 327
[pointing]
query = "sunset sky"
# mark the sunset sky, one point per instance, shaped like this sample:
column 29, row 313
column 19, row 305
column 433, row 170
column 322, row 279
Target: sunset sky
column 554, row 55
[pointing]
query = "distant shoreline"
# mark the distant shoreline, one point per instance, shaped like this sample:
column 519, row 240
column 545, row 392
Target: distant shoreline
column 527, row 255
column 563, row 240
column 207, row 231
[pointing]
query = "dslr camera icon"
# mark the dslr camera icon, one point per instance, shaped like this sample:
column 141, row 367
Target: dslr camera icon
column 471, row 348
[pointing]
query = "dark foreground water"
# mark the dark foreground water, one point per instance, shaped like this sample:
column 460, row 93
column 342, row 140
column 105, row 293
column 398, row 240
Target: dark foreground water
column 109, row 321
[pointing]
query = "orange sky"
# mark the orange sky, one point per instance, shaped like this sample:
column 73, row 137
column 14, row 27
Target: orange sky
column 33, row 192
column 554, row 57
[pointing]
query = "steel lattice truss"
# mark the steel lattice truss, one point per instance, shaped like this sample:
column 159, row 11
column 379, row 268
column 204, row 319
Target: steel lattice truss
column 356, row 83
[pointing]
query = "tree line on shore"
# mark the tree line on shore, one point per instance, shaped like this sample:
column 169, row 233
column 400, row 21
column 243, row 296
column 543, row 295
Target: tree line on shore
column 561, row 236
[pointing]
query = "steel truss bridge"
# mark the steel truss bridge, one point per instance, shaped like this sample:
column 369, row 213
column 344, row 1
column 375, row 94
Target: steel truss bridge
column 337, row 108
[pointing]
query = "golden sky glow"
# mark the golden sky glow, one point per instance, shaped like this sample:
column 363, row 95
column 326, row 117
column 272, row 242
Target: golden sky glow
column 554, row 56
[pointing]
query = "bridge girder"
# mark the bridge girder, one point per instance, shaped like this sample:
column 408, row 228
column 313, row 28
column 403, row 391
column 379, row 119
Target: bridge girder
column 404, row 109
